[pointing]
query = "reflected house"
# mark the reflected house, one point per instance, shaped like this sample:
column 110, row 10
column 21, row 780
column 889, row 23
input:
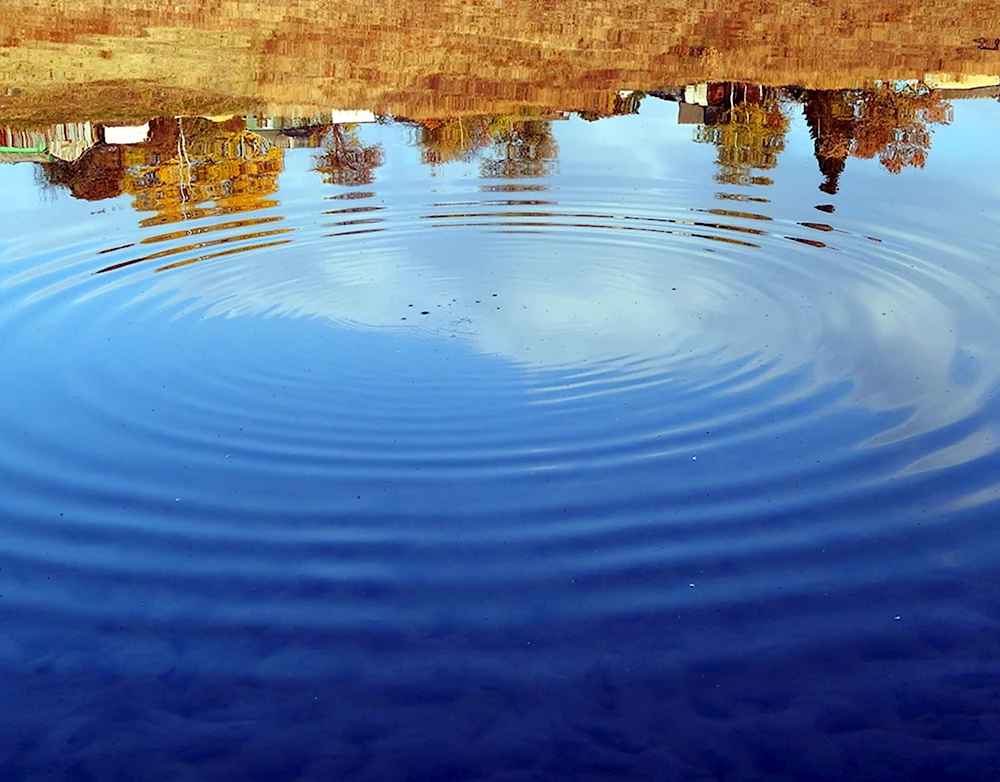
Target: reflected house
column 65, row 141
column 124, row 135
column 169, row 165
column 712, row 103
column 305, row 132
column 690, row 114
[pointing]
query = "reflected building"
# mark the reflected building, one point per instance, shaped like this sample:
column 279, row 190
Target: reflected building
column 305, row 132
column 180, row 162
column 64, row 141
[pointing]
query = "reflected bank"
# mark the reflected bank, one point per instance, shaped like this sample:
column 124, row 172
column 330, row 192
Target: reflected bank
column 449, row 58
column 170, row 164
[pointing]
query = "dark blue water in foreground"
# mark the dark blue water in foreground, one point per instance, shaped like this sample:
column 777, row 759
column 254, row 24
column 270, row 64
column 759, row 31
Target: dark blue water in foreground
column 601, row 474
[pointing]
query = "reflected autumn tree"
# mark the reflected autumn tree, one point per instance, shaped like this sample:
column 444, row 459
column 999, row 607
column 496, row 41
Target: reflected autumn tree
column 521, row 149
column 748, row 134
column 98, row 174
column 184, row 162
column 192, row 160
column 345, row 159
column 452, row 140
column 891, row 123
column 507, row 147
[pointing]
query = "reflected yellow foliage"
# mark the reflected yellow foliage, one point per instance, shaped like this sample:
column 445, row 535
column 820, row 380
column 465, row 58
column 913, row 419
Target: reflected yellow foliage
column 185, row 163
column 520, row 149
column 749, row 136
column 452, row 140
column 506, row 146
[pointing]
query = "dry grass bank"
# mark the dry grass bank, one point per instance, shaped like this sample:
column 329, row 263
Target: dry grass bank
column 63, row 59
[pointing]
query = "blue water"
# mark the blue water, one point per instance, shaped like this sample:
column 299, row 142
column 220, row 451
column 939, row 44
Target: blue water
column 597, row 474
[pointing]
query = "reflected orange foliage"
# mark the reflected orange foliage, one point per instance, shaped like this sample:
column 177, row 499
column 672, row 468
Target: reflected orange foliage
column 889, row 122
column 893, row 125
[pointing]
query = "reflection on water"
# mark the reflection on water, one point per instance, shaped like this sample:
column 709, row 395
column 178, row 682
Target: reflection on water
column 545, row 444
column 172, row 165
column 176, row 163
column 891, row 123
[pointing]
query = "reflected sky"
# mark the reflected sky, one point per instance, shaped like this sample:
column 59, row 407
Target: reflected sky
column 629, row 253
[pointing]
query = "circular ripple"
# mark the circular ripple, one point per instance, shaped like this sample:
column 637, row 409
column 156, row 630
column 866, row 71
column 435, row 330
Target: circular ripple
column 348, row 412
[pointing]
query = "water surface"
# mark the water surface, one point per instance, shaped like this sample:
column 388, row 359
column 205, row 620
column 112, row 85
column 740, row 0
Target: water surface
column 507, row 447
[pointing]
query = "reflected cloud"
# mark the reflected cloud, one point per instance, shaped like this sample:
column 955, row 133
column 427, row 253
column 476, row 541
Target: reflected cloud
column 548, row 283
column 577, row 295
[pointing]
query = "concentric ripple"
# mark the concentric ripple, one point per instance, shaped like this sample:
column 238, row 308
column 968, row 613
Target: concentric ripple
column 553, row 403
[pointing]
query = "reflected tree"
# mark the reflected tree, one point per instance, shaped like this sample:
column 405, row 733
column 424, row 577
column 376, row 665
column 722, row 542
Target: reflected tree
column 98, row 174
column 830, row 117
column 345, row 160
column 452, row 140
column 191, row 161
column 521, row 149
column 748, row 136
column 892, row 123
column 506, row 146
column 183, row 163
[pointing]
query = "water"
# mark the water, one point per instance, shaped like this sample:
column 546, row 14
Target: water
column 583, row 450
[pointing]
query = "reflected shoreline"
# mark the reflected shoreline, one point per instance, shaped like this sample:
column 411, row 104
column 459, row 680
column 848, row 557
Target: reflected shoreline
column 99, row 61
column 171, row 164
